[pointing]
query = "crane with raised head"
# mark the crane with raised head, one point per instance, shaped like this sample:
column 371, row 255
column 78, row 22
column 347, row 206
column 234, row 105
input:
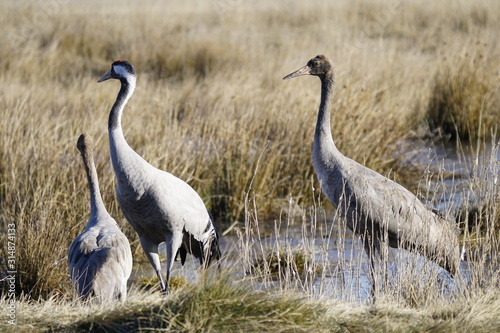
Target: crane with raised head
column 374, row 207
column 158, row 205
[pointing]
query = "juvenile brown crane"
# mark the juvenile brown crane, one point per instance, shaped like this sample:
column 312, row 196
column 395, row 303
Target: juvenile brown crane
column 99, row 259
column 158, row 205
column 375, row 207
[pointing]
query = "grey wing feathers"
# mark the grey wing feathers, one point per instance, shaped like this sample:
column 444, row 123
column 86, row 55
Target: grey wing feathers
column 100, row 263
column 408, row 222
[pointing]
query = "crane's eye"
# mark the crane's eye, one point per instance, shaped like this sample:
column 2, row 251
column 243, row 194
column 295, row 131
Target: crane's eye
column 315, row 64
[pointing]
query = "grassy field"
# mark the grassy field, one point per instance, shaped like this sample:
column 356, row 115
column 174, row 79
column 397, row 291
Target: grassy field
column 224, row 307
column 211, row 108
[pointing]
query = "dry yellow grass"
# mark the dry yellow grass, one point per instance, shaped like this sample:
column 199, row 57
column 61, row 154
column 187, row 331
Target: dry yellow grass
column 219, row 306
column 210, row 101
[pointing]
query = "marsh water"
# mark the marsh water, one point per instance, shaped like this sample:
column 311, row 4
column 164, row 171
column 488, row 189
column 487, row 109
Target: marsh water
column 339, row 266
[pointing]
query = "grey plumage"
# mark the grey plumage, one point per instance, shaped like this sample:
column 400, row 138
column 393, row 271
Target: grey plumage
column 99, row 259
column 378, row 209
column 159, row 206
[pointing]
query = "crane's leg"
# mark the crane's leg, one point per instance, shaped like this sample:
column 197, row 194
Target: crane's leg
column 173, row 243
column 370, row 249
column 151, row 251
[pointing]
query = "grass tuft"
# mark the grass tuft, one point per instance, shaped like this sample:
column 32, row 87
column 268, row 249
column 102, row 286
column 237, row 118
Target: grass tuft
column 464, row 101
column 286, row 263
column 217, row 305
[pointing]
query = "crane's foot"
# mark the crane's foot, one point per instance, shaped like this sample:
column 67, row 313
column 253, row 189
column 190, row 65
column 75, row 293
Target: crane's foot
column 163, row 289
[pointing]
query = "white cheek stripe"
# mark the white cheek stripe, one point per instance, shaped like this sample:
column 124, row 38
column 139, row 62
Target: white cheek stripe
column 122, row 71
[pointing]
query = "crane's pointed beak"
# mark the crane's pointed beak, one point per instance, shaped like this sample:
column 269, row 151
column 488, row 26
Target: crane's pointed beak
column 301, row 71
column 105, row 77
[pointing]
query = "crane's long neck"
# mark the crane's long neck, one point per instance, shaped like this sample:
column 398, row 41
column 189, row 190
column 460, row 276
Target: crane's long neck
column 97, row 207
column 323, row 141
column 115, row 116
column 121, row 153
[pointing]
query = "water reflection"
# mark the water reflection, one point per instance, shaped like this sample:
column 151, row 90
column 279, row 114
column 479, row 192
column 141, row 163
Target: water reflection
column 451, row 171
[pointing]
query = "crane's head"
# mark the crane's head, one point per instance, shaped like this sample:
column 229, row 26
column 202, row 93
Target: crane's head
column 85, row 143
column 121, row 70
column 320, row 66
